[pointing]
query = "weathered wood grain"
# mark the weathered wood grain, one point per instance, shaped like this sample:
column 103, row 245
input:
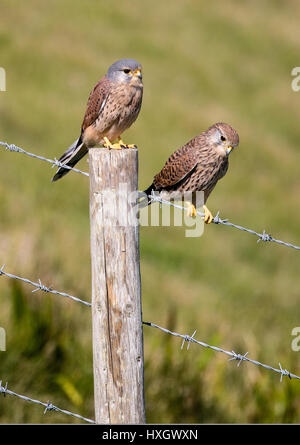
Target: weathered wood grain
column 116, row 288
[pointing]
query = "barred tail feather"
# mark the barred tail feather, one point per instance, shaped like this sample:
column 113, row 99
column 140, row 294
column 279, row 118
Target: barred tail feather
column 70, row 158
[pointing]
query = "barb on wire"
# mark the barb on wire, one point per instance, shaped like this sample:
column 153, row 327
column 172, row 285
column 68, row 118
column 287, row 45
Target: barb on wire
column 48, row 406
column 185, row 338
column 238, row 357
column 233, row 355
column 265, row 237
column 284, row 372
column 54, row 162
column 39, row 286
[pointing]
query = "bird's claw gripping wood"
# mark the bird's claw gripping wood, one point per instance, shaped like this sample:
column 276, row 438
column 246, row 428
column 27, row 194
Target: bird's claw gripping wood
column 123, row 145
column 129, row 146
column 208, row 217
column 110, row 145
column 118, row 146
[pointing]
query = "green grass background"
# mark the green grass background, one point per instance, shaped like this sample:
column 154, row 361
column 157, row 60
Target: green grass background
column 203, row 62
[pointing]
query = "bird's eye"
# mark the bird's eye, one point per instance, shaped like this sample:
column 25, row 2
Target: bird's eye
column 223, row 138
column 126, row 71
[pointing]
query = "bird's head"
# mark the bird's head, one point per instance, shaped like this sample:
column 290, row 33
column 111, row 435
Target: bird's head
column 223, row 137
column 127, row 71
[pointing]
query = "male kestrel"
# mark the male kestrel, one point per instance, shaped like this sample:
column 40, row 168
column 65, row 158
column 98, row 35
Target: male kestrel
column 197, row 166
column 113, row 106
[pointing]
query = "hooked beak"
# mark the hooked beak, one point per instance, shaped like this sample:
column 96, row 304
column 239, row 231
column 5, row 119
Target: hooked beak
column 228, row 149
column 137, row 73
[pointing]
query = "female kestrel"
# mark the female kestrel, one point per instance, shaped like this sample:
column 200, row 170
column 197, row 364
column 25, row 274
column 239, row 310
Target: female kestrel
column 113, row 106
column 197, row 166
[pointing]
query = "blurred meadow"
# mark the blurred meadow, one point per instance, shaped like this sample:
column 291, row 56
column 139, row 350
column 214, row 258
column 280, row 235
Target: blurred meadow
column 203, row 62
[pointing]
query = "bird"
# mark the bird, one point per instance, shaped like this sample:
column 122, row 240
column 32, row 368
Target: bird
column 112, row 107
column 196, row 166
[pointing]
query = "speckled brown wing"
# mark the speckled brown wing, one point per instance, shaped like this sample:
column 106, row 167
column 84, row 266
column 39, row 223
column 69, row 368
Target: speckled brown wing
column 96, row 102
column 180, row 164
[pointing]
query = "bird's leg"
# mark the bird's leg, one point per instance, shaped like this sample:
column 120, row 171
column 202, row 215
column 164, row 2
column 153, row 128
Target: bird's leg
column 123, row 145
column 191, row 209
column 208, row 217
column 112, row 146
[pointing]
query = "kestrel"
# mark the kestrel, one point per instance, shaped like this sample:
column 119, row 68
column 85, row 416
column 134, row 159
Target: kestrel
column 113, row 106
column 197, row 166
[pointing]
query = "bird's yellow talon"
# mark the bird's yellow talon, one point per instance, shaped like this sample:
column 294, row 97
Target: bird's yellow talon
column 208, row 217
column 108, row 144
column 117, row 146
column 123, row 145
column 191, row 210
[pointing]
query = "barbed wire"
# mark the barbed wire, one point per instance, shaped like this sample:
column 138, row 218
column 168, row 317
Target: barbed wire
column 217, row 220
column 55, row 162
column 186, row 338
column 48, row 406
column 39, row 286
column 233, row 355
column 264, row 236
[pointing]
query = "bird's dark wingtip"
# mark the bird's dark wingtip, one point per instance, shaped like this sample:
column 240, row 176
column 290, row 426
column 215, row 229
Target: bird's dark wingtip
column 56, row 177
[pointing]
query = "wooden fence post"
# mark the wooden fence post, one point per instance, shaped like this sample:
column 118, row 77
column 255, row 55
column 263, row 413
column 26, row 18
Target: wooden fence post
column 116, row 288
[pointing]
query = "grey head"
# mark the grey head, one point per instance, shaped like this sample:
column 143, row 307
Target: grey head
column 125, row 71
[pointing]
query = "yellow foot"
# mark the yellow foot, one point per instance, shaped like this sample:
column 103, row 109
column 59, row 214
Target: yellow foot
column 123, row 145
column 191, row 210
column 108, row 144
column 208, row 217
